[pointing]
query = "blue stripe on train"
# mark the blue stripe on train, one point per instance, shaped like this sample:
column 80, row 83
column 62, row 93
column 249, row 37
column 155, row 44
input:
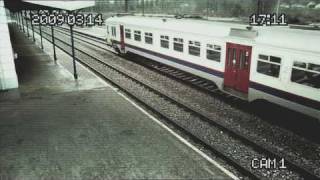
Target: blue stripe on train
column 286, row 95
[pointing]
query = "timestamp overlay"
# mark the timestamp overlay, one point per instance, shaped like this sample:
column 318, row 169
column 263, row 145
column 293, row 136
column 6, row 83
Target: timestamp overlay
column 59, row 19
column 268, row 20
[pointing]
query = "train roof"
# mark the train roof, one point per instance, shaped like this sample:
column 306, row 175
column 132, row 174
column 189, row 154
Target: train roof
column 305, row 40
column 179, row 25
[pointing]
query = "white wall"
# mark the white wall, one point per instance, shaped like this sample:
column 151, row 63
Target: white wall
column 8, row 76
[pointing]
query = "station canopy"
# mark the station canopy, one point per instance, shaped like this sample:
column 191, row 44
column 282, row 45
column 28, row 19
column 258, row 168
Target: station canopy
column 64, row 5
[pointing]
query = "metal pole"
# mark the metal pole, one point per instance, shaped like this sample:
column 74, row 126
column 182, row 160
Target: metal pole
column 53, row 44
column 15, row 17
column 41, row 36
column 208, row 9
column 260, row 6
column 73, row 54
column 20, row 27
column 34, row 40
column 126, row 6
column 278, row 6
column 25, row 14
column 17, row 20
column 216, row 7
column 142, row 7
column 22, row 22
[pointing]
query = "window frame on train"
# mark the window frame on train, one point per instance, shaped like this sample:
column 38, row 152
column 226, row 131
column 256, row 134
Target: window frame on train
column 148, row 38
column 128, row 33
column 164, row 41
column 213, row 52
column 244, row 60
column 272, row 63
column 114, row 31
column 178, row 44
column 299, row 67
column 194, row 48
column 137, row 35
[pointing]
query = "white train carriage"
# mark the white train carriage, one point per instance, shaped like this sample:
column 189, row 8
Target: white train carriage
column 277, row 64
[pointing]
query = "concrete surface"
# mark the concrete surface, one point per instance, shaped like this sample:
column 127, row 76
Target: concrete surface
column 55, row 128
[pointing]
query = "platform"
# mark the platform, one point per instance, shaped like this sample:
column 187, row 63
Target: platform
column 56, row 127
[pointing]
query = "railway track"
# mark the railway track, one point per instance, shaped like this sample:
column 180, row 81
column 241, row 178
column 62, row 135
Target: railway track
column 95, row 65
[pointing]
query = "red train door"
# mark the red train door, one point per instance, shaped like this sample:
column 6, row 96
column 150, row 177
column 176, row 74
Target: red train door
column 237, row 68
column 122, row 45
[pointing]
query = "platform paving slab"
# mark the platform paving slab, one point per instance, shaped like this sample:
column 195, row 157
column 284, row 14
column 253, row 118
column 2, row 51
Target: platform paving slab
column 58, row 128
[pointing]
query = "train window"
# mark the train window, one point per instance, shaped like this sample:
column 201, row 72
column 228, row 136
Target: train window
column 308, row 76
column 268, row 69
column 213, row 55
column 229, row 56
column 300, row 64
column 148, row 38
column 137, row 35
column 164, row 41
column 269, row 65
column 194, row 51
column 264, row 57
column 128, row 33
column 114, row 31
column 165, row 37
column 314, row 67
column 194, row 48
column 242, row 59
column 217, row 47
column 178, row 44
column 234, row 62
column 275, row 59
column 213, row 52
